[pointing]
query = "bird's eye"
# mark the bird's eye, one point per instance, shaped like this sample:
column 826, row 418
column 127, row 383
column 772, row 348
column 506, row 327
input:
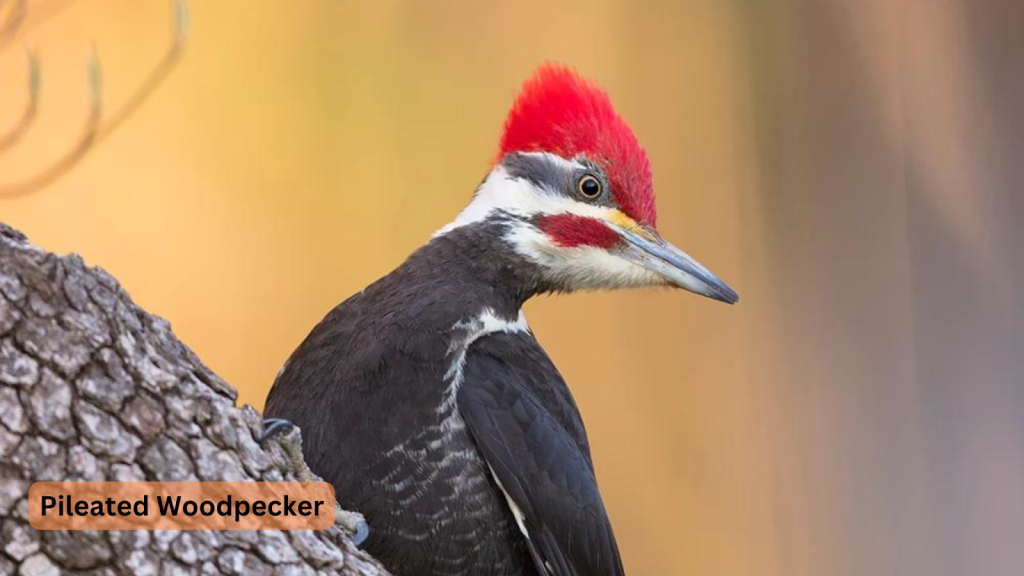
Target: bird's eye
column 589, row 187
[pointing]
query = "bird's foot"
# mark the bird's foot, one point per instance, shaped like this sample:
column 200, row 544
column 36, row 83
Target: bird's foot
column 289, row 438
column 354, row 523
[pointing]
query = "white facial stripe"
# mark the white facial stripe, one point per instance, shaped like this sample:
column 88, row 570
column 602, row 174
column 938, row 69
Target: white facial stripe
column 568, row 165
column 518, row 196
column 577, row 268
column 581, row 267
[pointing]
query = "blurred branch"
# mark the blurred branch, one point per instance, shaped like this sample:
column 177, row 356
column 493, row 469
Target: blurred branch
column 96, row 127
column 21, row 21
column 15, row 133
column 156, row 76
column 14, row 21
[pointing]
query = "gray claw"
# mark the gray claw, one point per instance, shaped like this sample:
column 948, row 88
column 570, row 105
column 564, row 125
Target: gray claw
column 289, row 440
column 362, row 532
column 275, row 427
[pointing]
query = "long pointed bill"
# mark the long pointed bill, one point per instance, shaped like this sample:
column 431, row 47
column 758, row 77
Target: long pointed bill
column 644, row 247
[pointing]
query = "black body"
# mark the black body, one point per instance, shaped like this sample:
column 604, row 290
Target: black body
column 370, row 388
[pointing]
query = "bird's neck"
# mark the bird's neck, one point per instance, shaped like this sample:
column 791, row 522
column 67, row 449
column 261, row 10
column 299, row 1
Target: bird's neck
column 471, row 268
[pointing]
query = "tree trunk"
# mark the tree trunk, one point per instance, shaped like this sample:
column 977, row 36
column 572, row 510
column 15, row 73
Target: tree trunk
column 94, row 388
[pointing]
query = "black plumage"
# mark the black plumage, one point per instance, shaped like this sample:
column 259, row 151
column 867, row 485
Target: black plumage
column 426, row 401
column 408, row 401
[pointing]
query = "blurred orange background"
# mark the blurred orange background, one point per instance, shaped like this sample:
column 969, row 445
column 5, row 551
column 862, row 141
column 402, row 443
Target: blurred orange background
column 852, row 168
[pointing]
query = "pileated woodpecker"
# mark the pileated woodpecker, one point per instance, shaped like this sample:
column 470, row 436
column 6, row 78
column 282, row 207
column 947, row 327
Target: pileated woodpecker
column 426, row 400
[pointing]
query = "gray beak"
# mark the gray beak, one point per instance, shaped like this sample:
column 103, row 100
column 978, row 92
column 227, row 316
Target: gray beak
column 644, row 247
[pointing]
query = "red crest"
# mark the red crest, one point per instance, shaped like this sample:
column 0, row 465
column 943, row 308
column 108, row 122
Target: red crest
column 560, row 112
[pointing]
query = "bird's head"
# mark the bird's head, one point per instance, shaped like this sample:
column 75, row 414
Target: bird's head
column 573, row 187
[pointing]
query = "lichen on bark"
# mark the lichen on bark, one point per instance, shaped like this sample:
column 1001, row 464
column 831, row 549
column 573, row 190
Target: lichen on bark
column 94, row 388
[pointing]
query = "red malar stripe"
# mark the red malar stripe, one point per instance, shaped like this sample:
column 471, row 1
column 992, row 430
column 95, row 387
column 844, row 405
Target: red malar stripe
column 571, row 231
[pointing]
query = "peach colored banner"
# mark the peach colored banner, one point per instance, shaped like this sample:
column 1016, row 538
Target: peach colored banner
column 181, row 505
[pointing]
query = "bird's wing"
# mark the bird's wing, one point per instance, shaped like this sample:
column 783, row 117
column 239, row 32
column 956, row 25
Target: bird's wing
column 546, row 477
column 531, row 366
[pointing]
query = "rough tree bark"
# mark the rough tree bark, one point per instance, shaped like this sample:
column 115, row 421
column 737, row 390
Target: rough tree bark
column 94, row 388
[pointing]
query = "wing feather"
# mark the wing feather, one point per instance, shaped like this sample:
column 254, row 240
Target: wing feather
column 542, row 468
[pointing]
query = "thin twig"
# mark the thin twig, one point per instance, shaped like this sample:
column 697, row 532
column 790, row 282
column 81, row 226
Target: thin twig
column 21, row 126
column 153, row 80
column 14, row 21
column 41, row 12
column 95, row 128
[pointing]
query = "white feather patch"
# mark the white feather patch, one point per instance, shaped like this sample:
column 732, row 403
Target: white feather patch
column 487, row 322
column 517, row 512
column 502, row 192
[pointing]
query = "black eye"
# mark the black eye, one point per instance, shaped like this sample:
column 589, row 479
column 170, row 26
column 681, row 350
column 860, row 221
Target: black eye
column 589, row 187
